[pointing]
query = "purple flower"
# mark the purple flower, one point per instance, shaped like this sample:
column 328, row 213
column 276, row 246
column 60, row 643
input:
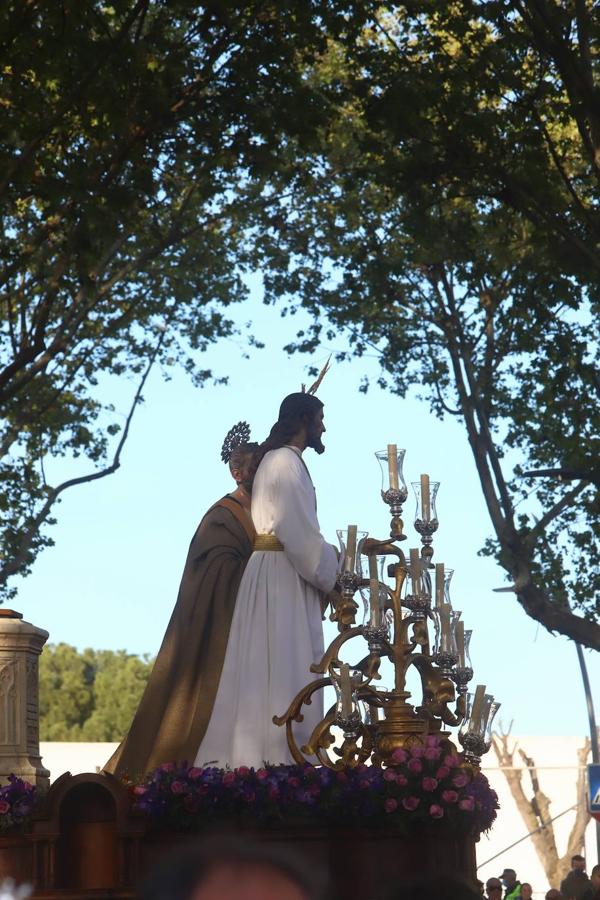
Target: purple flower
column 415, row 766
column 432, row 740
column 467, row 803
column 449, row 796
column 451, row 760
column 399, row 755
column 390, row 805
column 435, row 811
column 401, row 780
column 460, row 780
column 417, row 751
column 389, row 775
column 432, row 752
column 429, row 784
column 410, row 803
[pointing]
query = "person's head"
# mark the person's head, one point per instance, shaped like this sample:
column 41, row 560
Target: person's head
column 595, row 877
column 232, row 869
column 526, row 891
column 300, row 421
column 554, row 894
column 578, row 863
column 493, row 888
column 242, row 465
column 509, row 878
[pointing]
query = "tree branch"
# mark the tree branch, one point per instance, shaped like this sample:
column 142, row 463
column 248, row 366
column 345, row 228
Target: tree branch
column 13, row 566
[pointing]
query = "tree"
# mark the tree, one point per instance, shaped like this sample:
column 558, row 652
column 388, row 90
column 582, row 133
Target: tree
column 405, row 237
column 535, row 812
column 136, row 139
column 90, row 695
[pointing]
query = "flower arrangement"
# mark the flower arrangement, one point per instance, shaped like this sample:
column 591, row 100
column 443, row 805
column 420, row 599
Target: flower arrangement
column 425, row 784
column 16, row 803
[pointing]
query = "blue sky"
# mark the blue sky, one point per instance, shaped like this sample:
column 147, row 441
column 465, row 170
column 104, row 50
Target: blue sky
column 111, row 580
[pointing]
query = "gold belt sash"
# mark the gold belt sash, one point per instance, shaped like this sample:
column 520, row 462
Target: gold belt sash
column 267, row 542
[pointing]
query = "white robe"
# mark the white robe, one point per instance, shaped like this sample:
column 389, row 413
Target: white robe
column 276, row 632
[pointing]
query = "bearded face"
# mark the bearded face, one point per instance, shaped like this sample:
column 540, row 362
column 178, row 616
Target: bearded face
column 315, row 431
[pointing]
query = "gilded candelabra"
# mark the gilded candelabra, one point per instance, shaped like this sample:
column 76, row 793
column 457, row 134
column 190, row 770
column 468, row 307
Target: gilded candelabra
column 374, row 722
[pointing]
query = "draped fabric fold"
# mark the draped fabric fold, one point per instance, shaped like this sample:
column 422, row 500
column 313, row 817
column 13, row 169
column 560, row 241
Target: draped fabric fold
column 177, row 703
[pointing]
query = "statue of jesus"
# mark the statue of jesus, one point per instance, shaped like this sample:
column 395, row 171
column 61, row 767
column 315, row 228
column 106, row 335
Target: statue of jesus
column 276, row 631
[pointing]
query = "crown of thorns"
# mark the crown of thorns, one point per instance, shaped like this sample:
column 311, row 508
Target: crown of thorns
column 239, row 434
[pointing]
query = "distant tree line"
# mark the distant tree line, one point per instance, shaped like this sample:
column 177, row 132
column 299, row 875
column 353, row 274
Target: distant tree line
column 89, row 695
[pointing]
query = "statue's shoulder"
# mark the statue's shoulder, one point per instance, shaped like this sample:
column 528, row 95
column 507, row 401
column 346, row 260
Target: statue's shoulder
column 279, row 460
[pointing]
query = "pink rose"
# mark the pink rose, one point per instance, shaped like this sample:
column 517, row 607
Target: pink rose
column 4, row 807
column 138, row 790
column 415, row 766
column 293, row 781
column 432, row 752
column 390, row 805
column 178, row 787
column 442, row 772
column 364, row 785
column 449, row 796
column 417, row 751
column 228, row 779
column 460, row 780
column 451, row 760
column 243, row 771
column 195, row 773
column 401, row 780
column 435, row 811
column 432, row 740
column 389, row 775
column 399, row 755
column 261, row 774
column 429, row 784
column 467, row 803
column 273, row 792
column 410, row 803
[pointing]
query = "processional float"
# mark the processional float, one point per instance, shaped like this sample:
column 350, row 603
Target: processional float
column 374, row 722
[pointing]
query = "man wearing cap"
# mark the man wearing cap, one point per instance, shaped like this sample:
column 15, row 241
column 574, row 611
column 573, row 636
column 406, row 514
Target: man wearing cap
column 276, row 632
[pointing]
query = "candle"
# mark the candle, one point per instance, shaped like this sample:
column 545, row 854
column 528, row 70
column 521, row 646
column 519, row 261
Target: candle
column 477, row 707
column 425, row 499
column 346, row 690
column 393, row 466
column 439, row 584
column 415, row 569
column 350, row 549
column 460, row 643
column 445, row 635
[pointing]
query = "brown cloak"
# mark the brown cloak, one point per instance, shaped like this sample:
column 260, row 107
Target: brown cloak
column 177, row 703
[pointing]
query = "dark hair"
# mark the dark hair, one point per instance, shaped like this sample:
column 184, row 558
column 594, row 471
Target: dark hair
column 596, row 870
column 294, row 412
column 577, row 858
column 440, row 887
column 241, row 453
column 181, row 874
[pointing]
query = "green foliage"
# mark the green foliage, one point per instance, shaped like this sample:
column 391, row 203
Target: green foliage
column 90, row 695
column 136, row 145
column 449, row 221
